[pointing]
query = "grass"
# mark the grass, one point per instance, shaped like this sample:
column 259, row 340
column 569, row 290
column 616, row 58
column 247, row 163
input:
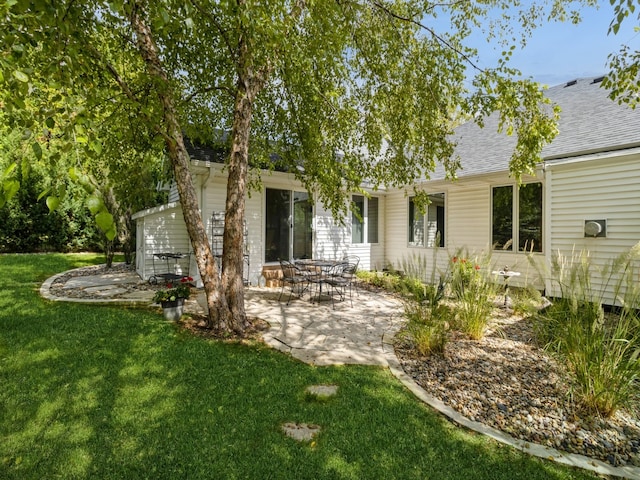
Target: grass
column 106, row 392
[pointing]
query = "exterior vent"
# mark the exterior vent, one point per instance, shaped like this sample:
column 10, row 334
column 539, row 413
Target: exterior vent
column 595, row 228
column 598, row 80
column 571, row 83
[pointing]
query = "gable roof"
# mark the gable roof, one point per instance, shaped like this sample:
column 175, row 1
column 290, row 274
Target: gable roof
column 589, row 122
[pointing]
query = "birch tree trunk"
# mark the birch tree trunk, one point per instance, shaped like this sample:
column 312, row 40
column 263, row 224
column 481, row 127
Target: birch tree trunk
column 248, row 86
column 219, row 313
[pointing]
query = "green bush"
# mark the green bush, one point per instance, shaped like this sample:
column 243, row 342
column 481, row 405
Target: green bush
column 28, row 226
column 525, row 300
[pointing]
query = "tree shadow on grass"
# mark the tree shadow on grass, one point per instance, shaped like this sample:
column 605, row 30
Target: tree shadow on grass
column 104, row 392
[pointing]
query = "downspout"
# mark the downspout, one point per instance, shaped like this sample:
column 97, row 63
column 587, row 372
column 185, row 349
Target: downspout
column 203, row 209
column 546, row 185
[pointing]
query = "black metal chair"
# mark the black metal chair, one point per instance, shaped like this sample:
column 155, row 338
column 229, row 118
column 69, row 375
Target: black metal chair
column 294, row 277
column 350, row 272
column 341, row 280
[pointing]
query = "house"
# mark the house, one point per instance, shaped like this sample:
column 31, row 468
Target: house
column 585, row 195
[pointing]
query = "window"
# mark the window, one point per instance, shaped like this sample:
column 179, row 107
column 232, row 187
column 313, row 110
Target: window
column 517, row 217
column 372, row 218
column 288, row 232
column 357, row 219
column 428, row 228
column 364, row 218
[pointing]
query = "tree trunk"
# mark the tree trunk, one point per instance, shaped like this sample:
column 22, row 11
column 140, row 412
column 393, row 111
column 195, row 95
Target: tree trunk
column 249, row 84
column 233, row 243
column 219, row 313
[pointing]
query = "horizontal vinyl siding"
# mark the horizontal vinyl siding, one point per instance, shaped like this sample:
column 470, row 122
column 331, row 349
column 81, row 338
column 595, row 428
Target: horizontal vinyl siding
column 164, row 232
column 254, row 212
column 469, row 217
column 330, row 239
column 467, row 232
column 396, row 227
column 591, row 191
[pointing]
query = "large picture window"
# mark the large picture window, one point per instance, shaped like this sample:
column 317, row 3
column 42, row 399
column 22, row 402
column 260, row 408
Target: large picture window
column 427, row 229
column 364, row 218
column 517, row 217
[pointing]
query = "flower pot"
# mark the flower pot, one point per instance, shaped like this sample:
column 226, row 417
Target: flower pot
column 172, row 311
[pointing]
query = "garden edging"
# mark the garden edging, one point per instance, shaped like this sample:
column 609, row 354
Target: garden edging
column 530, row 448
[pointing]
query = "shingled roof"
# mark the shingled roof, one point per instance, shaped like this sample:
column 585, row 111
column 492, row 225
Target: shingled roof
column 589, row 123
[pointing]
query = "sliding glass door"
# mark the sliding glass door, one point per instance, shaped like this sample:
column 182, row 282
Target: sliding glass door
column 288, row 222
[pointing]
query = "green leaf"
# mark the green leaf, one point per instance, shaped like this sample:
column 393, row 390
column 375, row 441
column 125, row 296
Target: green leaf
column 111, row 234
column 10, row 188
column 21, row 76
column 52, row 203
column 95, row 205
column 62, row 191
column 96, row 146
column 43, row 193
column 37, row 150
column 104, row 220
column 74, row 174
column 50, row 122
column 10, row 169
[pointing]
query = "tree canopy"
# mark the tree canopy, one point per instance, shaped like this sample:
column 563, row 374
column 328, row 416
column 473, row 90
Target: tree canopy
column 342, row 91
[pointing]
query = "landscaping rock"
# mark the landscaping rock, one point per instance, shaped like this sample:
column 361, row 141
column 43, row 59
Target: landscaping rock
column 505, row 381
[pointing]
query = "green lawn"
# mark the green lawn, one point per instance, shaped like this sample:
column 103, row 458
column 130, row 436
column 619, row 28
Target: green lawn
column 106, row 392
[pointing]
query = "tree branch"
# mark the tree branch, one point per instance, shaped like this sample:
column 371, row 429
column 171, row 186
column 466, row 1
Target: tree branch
column 207, row 90
column 223, row 33
column 430, row 30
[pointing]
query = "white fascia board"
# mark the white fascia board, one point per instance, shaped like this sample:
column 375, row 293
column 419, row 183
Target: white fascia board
column 152, row 210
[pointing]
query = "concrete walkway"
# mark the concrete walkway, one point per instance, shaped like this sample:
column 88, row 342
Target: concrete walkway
column 321, row 335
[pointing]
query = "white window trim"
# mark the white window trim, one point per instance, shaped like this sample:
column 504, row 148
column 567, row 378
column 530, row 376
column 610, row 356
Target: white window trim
column 425, row 223
column 515, row 217
column 365, row 222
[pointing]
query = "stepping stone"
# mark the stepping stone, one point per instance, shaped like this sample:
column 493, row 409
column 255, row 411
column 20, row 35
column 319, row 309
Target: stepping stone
column 322, row 391
column 302, row 432
column 106, row 291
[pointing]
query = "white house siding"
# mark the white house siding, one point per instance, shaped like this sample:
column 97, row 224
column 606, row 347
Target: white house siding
column 593, row 189
column 334, row 241
column 331, row 240
column 467, row 228
column 163, row 230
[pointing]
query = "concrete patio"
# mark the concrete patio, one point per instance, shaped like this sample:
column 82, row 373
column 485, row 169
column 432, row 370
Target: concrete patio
column 313, row 333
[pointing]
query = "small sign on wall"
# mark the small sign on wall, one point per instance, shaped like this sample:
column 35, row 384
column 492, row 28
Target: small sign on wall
column 595, row 228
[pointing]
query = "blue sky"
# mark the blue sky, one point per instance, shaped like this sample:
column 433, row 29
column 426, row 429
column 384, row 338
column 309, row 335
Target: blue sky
column 559, row 52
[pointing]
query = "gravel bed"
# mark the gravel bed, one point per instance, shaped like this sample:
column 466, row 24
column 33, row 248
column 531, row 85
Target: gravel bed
column 507, row 382
column 57, row 287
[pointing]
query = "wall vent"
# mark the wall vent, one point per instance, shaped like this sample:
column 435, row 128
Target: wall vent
column 595, row 228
